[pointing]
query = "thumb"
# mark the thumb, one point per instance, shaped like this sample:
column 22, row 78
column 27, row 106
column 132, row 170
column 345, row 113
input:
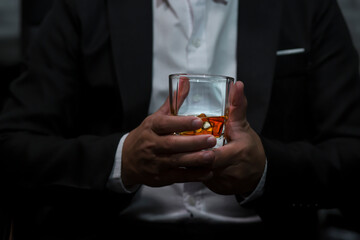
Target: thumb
column 165, row 108
column 238, row 103
column 178, row 97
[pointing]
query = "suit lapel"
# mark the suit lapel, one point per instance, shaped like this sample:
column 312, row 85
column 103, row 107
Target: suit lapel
column 131, row 41
column 258, row 30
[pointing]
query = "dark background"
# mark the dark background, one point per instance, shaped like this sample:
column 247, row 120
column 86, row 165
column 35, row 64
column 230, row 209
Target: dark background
column 19, row 20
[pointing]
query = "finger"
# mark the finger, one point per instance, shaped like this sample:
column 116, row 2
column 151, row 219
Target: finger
column 165, row 108
column 198, row 159
column 167, row 124
column 184, row 88
column 178, row 97
column 238, row 102
column 224, row 156
column 171, row 144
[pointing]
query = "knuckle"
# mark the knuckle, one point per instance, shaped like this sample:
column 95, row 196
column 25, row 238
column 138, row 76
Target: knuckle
column 148, row 122
column 244, row 152
column 245, row 102
column 158, row 125
column 174, row 160
column 151, row 167
column 168, row 143
column 150, row 144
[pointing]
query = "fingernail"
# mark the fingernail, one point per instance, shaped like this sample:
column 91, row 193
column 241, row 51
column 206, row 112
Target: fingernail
column 197, row 123
column 211, row 140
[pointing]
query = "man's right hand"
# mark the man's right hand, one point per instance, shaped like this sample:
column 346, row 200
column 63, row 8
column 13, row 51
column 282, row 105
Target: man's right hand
column 154, row 156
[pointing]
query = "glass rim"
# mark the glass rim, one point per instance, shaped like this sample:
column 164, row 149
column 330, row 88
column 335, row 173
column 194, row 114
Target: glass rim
column 202, row 76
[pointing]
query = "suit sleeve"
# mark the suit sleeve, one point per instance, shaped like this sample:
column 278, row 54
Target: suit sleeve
column 321, row 172
column 38, row 147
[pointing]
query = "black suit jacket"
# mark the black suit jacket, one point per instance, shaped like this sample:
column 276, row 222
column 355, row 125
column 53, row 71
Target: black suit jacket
column 89, row 81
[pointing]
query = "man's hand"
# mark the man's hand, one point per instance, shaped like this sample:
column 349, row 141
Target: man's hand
column 239, row 165
column 154, row 156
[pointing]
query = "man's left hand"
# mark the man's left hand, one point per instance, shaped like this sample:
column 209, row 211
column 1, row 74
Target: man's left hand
column 238, row 165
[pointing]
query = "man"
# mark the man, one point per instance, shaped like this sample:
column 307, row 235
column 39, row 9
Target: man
column 85, row 159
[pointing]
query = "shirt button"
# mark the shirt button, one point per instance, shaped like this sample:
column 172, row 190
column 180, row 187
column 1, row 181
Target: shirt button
column 196, row 43
column 191, row 201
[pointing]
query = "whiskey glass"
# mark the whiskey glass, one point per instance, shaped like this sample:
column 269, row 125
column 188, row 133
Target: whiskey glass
column 204, row 96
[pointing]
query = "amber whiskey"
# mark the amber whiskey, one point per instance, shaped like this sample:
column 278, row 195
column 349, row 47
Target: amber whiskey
column 211, row 125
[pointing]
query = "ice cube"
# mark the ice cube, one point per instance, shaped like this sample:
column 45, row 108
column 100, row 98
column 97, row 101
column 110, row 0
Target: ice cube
column 206, row 125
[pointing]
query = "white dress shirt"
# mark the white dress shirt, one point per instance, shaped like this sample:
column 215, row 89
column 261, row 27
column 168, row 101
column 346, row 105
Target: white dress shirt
column 190, row 36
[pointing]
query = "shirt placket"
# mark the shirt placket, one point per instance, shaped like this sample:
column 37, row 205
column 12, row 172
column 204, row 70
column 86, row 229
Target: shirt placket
column 196, row 49
column 192, row 197
column 196, row 63
column 192, row 18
